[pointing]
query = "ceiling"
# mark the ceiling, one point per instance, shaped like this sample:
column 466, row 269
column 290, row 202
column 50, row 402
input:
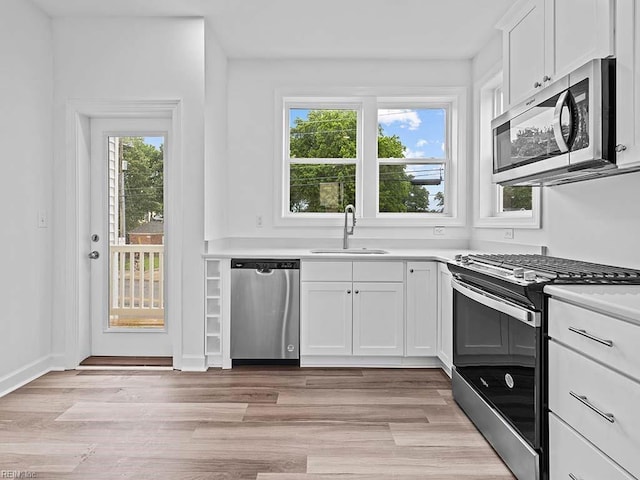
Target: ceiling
column 343, row 29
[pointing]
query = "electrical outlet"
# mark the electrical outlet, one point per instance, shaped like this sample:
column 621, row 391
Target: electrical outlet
column 42, row 219
column 508, row 233
column 438, row 230
column 259, row 221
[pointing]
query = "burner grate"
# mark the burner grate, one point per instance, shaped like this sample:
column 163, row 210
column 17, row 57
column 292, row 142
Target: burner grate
column 564, row 270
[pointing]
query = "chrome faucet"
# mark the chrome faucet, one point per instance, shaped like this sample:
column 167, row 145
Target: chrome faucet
column 347, row 231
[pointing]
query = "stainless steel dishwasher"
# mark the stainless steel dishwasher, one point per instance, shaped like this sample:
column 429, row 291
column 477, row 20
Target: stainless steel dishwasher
column 265, row 309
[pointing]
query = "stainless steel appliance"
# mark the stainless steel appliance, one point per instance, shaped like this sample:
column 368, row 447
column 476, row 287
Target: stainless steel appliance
column 564, row 133
column 500, row 368
column 265, row 309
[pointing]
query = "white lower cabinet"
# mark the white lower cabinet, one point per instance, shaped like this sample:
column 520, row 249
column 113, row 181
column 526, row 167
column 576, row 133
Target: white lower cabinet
column 421, row 305
column 378, row 318
column 594, row 393
column 571, row 456
column 326, row 314
column 445, row 317
column 352, row 308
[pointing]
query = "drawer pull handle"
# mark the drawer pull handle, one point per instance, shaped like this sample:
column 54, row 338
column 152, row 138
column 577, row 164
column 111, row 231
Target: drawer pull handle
column 573, row 477
column 584, row 333
column 585, row 401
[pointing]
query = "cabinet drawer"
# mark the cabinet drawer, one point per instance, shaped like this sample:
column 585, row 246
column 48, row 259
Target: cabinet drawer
column 378, row 271
column 571, row 375
column 570, row 454
column 581, row 328
column 326, row 271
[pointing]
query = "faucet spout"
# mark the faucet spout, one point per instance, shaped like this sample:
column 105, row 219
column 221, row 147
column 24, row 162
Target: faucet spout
column 348, row 231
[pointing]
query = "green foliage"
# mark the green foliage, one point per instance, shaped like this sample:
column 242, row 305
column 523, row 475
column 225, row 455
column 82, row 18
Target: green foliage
column 143, row 180
column 330, row 187
column 516, row 198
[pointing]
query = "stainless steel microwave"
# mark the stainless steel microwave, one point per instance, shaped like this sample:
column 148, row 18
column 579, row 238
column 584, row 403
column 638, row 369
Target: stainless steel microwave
column 563, row 133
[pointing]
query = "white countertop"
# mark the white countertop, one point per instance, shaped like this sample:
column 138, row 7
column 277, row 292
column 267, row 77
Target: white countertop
column 425, row 254
column 621, row 301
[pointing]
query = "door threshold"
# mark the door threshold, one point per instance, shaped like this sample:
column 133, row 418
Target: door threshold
column 127, row 362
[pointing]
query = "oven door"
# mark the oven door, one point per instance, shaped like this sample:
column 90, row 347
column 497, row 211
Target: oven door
column 497, row 350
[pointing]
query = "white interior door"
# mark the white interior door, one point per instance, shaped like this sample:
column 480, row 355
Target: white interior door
column 128, row 228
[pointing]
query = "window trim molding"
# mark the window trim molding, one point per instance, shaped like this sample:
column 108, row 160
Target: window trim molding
column 456, row 99
column 485, row 212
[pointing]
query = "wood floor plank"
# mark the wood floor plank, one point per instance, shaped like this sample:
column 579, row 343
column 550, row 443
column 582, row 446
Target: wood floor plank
column 335, row 413
column 380, row 476
column 437, row 435
column 152, row 412
column 353, row 396
column 197, row 395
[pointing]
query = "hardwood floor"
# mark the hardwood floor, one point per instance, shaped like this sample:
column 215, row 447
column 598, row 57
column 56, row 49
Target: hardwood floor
column 247, row 423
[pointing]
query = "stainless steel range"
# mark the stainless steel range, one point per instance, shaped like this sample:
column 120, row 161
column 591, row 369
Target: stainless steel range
column 499, row 353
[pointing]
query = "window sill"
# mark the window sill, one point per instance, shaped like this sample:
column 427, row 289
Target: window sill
column 532, row 222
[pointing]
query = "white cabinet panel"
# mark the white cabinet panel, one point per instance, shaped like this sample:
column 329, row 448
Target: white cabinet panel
column 378, row 271
column 326, row 271
column 326, row 318
column 445, row 316
column 576, row 383
column 571, row 454
column 378, row 318
column 421, row 308
column 590, row 332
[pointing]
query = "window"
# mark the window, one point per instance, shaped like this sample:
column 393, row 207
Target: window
column 499, row 206
column 393, row 159
column 413, row 154
column 322, row 158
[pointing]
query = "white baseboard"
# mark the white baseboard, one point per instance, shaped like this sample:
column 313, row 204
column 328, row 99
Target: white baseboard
column 194, row 363
column 26, row 374
column 371, row 362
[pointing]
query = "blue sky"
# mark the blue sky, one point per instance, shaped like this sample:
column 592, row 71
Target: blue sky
column 155, row 141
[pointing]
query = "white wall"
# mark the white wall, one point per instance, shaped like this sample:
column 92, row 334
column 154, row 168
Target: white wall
column 596, row 220
column 253, row 114
column 138, row 59
column 25, row 188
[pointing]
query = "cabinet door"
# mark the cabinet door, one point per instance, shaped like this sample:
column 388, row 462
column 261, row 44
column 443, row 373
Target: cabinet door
column 524, row 52
column 628, row 79
column 421, row 332
column 445, row 317
column 584, row 31
column 325, row 318
column 378, row 315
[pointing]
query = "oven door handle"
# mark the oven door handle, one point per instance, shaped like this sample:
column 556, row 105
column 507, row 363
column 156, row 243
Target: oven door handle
column 528, row 317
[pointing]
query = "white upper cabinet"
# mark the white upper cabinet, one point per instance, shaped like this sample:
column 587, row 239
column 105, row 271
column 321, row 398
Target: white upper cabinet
column 546, row 39
column 627, row 80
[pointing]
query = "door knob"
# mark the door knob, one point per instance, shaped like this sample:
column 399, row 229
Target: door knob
column 94, row 255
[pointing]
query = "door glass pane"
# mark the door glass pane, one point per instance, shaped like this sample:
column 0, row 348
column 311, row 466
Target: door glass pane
column 136, row 232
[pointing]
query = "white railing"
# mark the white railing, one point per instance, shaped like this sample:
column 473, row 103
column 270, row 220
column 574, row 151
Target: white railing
column 137, row 280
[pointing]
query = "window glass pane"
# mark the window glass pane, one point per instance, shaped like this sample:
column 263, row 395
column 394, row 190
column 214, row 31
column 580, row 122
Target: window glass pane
column 516, row 199
column 321, row 187
column 412, row 133
column 411, row 188
column 320, row 133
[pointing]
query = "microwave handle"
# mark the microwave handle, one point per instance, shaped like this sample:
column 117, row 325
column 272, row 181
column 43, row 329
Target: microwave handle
column 557, row 127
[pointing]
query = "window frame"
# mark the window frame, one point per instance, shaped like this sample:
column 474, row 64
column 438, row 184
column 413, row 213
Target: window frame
column 367, row 166
column 488, row 205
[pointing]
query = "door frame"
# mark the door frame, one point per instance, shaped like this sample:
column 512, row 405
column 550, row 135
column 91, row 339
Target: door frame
column 77, row 232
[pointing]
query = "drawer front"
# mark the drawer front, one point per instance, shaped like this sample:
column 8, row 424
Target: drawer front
column 572, row 375
column 570, row 454
column 609, row 340
column 378, row 271
column 326, row 271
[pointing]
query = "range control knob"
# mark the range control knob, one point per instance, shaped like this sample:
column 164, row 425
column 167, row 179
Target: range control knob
column 518, row 272
column 458, row 258
column 465, row 259
column 529, row 276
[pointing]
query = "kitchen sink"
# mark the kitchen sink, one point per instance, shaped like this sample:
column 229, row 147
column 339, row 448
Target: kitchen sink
column 351, row 251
